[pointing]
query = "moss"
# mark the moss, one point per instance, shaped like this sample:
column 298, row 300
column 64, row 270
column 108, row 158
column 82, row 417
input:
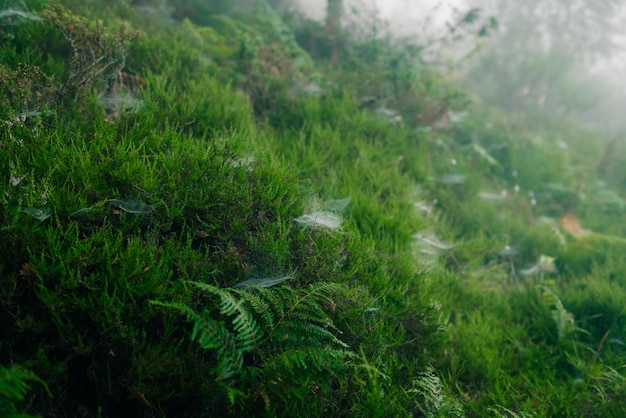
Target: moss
column 113, row 212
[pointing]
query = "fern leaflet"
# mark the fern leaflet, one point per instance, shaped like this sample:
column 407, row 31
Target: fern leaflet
column 282, row 320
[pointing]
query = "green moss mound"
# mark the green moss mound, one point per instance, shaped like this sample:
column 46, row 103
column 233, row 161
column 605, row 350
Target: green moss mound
column 207, row 211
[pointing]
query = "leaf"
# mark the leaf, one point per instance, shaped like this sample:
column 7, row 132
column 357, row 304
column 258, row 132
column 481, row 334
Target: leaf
column 289, row 318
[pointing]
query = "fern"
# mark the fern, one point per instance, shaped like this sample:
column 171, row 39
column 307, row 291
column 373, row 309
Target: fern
column 13, row 389
column 432, row 400
column 248, row 331
column 281, row 320
column 502, row 412
column 212, row 335
column 261, row 305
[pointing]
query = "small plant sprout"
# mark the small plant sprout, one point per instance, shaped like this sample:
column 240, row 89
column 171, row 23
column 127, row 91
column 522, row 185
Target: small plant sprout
column 432, row 398
column 563, row 319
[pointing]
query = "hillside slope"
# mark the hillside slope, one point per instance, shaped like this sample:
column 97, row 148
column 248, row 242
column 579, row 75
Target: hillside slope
column 212, row 211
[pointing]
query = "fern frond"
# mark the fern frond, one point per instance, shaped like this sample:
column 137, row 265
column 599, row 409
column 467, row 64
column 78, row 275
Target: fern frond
column 259, row 304
column 320, row 292
column 205, row 330
column 295, row 322
column 309, row 299
column 207, row 288
column 248, row 332
column 211, row 335
column 278, row 299
column 175, row 306
column 310, row 312
column 433, row 401
column 14, row 385
column 502, row 412
column 298, row 332
column 229, row 355
column 313, row 358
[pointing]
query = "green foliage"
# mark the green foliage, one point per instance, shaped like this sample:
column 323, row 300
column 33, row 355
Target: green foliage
column 544, row 66
column 13, row 389
column 475, row 268
column 431, row 399
column 285, row 318
column 97, row 56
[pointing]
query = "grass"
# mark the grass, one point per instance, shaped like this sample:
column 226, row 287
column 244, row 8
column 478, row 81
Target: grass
column 112, row 218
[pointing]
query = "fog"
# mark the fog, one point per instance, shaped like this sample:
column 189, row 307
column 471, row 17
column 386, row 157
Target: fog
column 404, row 20
column 550, row 58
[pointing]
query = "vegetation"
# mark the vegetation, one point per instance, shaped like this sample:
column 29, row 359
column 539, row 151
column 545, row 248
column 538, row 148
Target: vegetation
column 210, row 210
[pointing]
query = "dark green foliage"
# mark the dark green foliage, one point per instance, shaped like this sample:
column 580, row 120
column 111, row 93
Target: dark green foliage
column 13, row 388
column 78, row 56
column 148, row 181
column 282, row 334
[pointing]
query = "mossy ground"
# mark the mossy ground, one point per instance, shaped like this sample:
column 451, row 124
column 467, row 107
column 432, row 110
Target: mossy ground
column 238, row 125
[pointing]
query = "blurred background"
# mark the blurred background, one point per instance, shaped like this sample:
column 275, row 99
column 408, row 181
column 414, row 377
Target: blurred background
column 539, row 58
